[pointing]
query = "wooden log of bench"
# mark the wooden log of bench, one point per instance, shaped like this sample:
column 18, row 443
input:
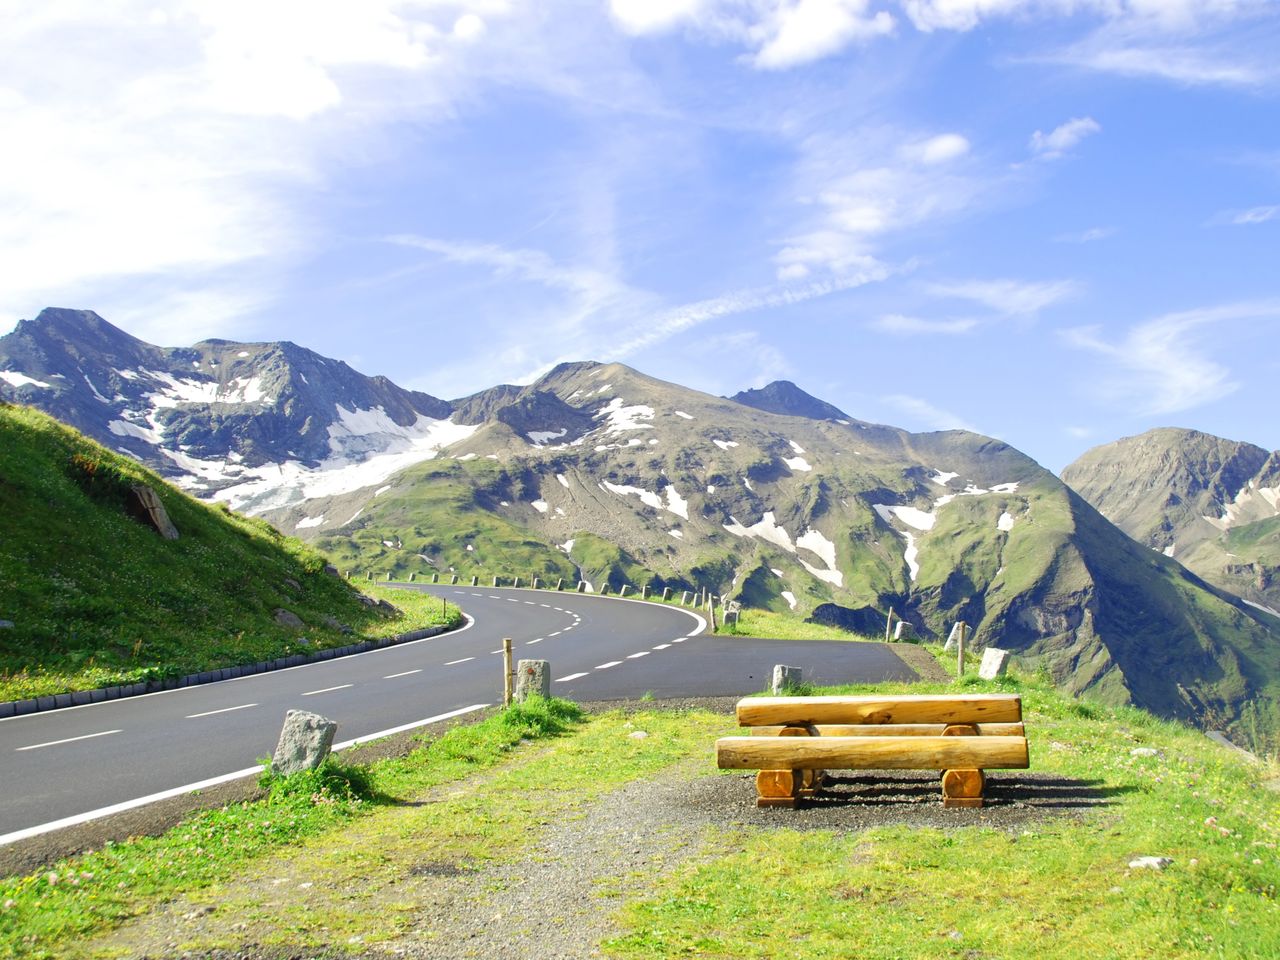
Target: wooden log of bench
column 914, row 708
column 961, row 757
column 895, row 730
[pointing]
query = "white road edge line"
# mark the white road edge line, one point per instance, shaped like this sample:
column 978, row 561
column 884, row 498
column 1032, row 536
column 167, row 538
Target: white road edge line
column 54, row 743
column 606, row 666
column 79, row 818
column 463, row 660
column 392, row 676
column 210, row 713
column 312, row 693
column 572, row 676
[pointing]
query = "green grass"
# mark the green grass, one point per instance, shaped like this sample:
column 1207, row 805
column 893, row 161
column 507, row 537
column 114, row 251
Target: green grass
column 781, row 626
column 98, row 598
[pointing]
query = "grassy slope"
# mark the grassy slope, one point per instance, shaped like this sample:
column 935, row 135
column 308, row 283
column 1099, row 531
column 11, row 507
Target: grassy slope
column 437, row 509
column 1056, row 888
column 97, row 598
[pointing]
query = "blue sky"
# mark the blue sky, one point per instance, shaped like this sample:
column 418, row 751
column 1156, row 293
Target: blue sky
column 1053, row 221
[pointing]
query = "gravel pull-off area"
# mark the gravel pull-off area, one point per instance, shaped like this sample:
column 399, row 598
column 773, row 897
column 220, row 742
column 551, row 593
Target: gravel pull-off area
column 558, row 902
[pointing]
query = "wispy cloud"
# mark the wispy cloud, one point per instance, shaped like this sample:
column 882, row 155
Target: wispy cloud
column 1086, row 236
column 926, row 415
column 897, row 323
column 1180, row 64
column 1162, row 366
column 1059, row 140
column 1012, row 298
column 866, row 188
column 1256, row 215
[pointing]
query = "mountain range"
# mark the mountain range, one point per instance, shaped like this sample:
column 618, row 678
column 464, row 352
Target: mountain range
column 597, row 471
column 1212, row 504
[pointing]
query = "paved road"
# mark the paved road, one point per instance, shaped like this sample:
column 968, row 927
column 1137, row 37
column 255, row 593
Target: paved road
column 68, row 764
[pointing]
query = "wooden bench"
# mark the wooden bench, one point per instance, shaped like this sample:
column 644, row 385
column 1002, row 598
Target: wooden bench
column 795, row 739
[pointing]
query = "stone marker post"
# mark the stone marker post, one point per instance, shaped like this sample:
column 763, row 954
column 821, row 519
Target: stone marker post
column 951, row 638
column 537, row 583
column 994, row 663
column 666, row 593
column 784, row 679
column 305, row 741
column 533, row 677
column 902, row 630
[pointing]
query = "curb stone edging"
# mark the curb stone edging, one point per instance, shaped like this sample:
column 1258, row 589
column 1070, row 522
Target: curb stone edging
column 19, row 708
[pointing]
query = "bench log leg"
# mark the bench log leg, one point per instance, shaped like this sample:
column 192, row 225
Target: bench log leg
column 778, row 788
column 962, row 788
column 785, row 788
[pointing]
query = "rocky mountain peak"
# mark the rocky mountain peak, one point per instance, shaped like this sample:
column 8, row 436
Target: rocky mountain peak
column 784, row 397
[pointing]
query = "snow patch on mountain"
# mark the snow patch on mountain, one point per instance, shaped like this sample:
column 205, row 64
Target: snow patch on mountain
column 619, row 418
column 542, row 437
column 942, row 478
column 797, row 463
column 1005, row 522
column 309, row 522
column 725, row 444
column 18, row 379
column 1264, row 608
column 676, row 503
column 1168, row 551
column 123, row 428
column 686, row 416
column 540, row 505
column 910, row 556
column 790, row 597
column 360, row 459
column 678, row 534
column 766, row 528
column 564, row 481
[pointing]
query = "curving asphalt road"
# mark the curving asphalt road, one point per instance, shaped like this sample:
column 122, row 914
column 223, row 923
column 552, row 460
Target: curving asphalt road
column 71, row 765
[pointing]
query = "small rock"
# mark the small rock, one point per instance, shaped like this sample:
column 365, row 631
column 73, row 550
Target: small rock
column 332, row 571
column 638, row 735
column 292, row 584
column 1150, row 863
column 199, row 912
column 1144, row 752
column 304, row 742
column 333, row 623
column 287, row 618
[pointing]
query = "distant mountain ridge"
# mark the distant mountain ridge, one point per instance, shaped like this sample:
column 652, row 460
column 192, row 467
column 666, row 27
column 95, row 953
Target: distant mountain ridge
column 1212, row 504
column 773, row 497
column 215, row 414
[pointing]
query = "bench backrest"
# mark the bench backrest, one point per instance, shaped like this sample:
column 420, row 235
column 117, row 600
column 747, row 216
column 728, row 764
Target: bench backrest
column 906, row 708
column 893, row 730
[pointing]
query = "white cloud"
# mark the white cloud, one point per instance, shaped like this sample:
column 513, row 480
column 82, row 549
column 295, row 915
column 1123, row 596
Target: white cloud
column 1161, row 366
column 164, row 145
column 653, row 16
column 1080, row 433
column 1085, row 236
column 1180, row 64
column 896, row 323
column 1013, row 298
column 942, row 148
column 1062, row 138
column 801, row 31
column 1256, row 215
column 865, row 188
column 927, row 415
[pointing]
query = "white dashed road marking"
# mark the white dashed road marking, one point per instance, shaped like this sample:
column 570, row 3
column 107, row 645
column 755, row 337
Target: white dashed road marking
column 606, row 666
column 312, row 693
column 572, row 676
column 405, row 674
column 463, row 660
column 54, row 743
column 210, row 713
column 662, row 646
